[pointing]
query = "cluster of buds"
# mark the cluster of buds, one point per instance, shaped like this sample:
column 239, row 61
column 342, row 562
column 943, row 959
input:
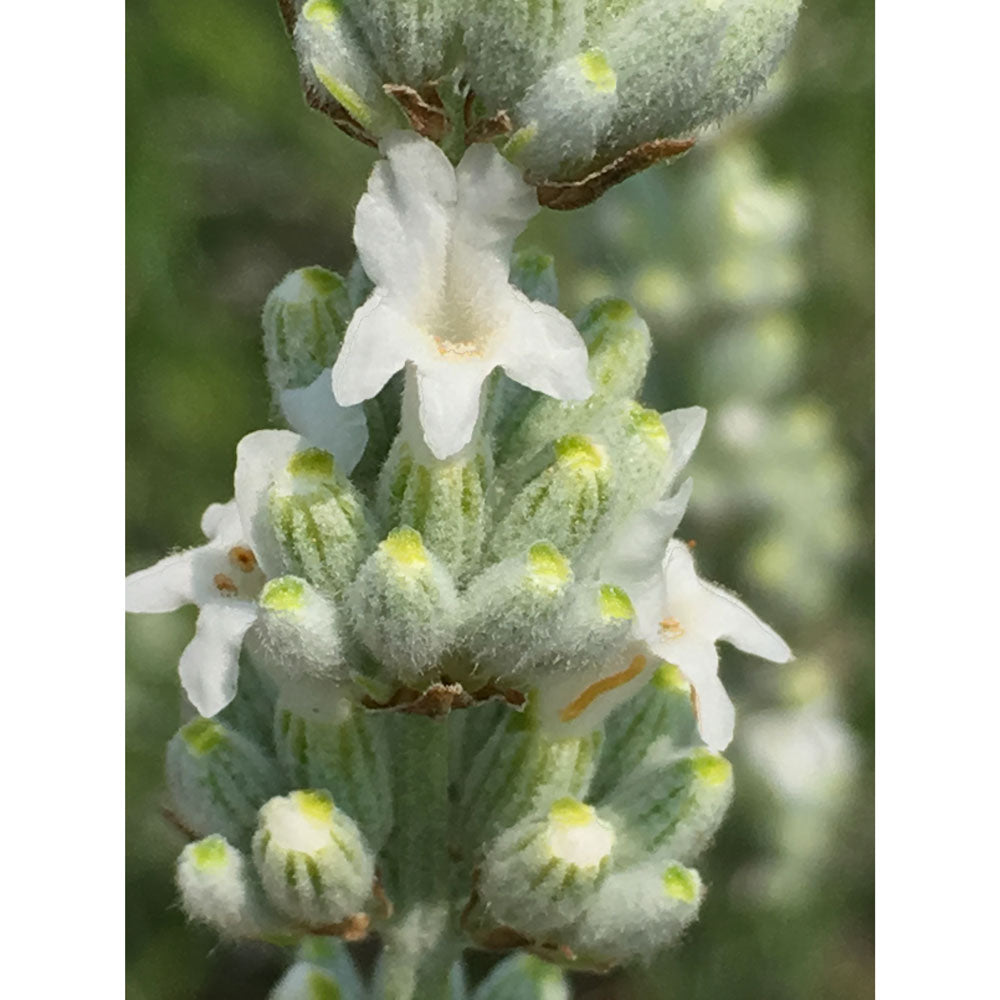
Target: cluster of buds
column 582, row 92
column 457, row 680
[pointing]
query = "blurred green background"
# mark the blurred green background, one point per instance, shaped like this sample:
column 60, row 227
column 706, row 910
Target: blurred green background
column 752, row 259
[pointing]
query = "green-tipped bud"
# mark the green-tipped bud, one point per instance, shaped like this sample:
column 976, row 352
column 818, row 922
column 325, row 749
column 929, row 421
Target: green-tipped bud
column 333, row 61
column 404, row 606
column 514, row 612
column 304, row 321
column 347, row 756
column 534, row 272
column 312, row 859
column 323, row 970
column 216, row 889
column 663, row 710
column 640, row 446
column 446, row 501
column 619, row 345
column 565, row 505
column 539, row 875
column 521, row 771
column 594, row 631
column 320, row 521
column 297, row 641
column 217, row 780
column 636, row 913
column 671, row 805
column 523, row 977
column 565, row 115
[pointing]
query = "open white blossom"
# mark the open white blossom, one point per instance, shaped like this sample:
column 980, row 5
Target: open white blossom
column 681, row 617
column 437, row 240
column 224, row 576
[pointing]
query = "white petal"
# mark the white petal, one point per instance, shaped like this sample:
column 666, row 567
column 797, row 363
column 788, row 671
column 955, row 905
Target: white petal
column 166, row 586
column 449, row 395
column 221, row 524
column 210, row 664
column 260, row 456
column 494, row 202
column 716, row 714
column 733, row 621
column 684, row 429
column 378, row 342
column 635, row 554
column 404, row 220
column 314, row 412
column 543, row 350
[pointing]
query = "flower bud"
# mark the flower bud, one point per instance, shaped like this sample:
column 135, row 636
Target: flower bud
column 216, row 889
column 297, row 640
column 619, row 345
column 640, row 447
column 320, row 521
column 346, row 755
column 519, row 771
column 404, row 606
column 637, row 912
column 445, row 500
column 333, row 60
column 312, row 860
column 539, row 875
column 564, row 115
column 534, row 272
column 323, row 970
column 523, row 977
column 304, row 321
column 305, row 981
column 513, row 612
column 565, row 505
column 672, row 804
column 662, row 710
column 217, row 780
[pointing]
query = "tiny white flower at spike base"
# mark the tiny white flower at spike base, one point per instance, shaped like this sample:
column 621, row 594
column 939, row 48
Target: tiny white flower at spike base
column 681, row 617
column 437, row 241
column 224, row 576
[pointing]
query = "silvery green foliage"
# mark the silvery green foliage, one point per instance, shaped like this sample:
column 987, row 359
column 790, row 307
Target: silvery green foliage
column 451, row 727
column 572, row 84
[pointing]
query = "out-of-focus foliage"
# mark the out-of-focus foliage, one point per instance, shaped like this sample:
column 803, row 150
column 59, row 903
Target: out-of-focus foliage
column 752, row 260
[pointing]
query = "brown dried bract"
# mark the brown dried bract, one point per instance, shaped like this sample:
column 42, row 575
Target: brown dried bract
column 487, row 129
column 337, row 113
column 287, row 8
column 423, row 107
column 441, row 698
column 384, row 903
column 565, row 195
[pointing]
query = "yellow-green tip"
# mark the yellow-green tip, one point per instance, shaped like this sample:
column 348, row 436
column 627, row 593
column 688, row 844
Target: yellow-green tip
column 321, row 11
column 406, row 547
column 580, row 453
column 209, row 853
column 316, row 805
column 322, row 986
column 612, row 311
column 597, row 71
column 313, row 463
column 668, row 677
column 571, row 812
column 615, row 602
column 548, row 566
column 648, row 425
column 682, row 883
column 203, row 735
column 286, row 593
column 710, row 767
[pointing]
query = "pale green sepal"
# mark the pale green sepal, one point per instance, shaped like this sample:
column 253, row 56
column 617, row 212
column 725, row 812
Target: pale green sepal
column 345, row 754
column 217, row 779
column 320, row 521
column 447, row 501
column 312, row 860
column 523, row 977
column 661, row 710
column 304, row 321
column 534, row 272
